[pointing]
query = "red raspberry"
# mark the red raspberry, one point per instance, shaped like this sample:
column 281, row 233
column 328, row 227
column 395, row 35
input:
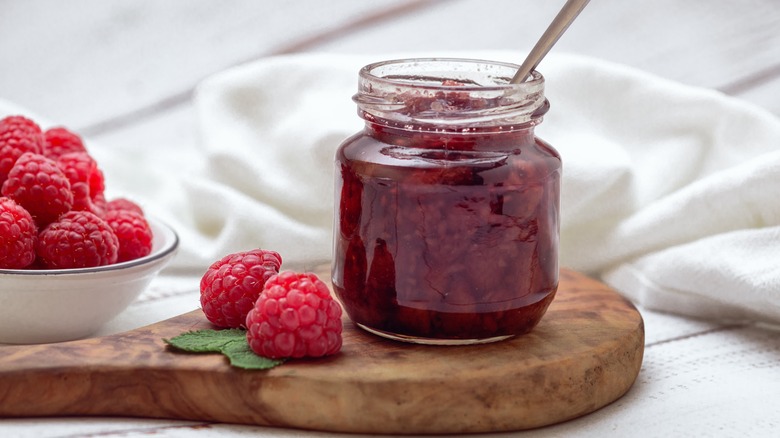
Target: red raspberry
column 99, row 204
column 60, row 141
column 123, row 204
column 231, row 285
column 86, row 180
column 79, row 239
column 18, row 135
column 17, row 236
column 295, row 316
column 133, row 232
column 38, row 185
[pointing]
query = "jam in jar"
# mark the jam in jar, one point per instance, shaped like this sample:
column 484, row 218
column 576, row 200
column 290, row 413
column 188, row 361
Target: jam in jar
column 447, row 205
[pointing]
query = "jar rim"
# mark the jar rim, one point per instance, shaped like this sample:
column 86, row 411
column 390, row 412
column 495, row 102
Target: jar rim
column 437, row 93
column 367, row 72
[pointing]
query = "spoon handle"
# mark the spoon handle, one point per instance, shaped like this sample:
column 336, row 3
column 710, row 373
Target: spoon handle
column 565, row 17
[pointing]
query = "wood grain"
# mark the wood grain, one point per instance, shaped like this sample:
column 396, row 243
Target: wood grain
column 585, row 353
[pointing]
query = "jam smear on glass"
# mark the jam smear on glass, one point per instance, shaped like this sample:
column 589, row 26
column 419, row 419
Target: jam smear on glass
column 446, row 222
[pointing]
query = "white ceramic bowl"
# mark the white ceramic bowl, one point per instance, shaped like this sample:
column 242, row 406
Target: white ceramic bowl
column 41, row 306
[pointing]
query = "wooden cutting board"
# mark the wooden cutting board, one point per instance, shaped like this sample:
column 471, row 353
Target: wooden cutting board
column 585, row 353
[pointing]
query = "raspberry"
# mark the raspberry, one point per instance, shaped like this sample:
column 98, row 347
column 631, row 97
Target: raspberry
column 123, row 204
column 18, row 135
column 38, row 185
column 17, row 236
column 79, row 239
column 295, row 316
column 86, row 180
column 231, row 285
column 60, row 141
column 133, row 232
column 99, row 204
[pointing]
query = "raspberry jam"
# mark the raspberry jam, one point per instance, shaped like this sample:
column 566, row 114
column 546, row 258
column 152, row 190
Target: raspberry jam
column 446, row 218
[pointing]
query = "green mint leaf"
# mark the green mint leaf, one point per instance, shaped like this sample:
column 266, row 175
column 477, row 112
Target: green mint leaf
column 230, row 342
column 205, row 341
column 242, row 356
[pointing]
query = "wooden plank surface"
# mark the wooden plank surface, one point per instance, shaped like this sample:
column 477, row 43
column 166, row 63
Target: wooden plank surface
column 708, row 44
column 86, row 61
column 89, row 61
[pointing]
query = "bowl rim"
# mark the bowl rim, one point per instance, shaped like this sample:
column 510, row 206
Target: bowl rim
column 169, row 246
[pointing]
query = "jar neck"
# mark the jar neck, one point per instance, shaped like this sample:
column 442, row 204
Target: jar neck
column 449, row 97
column 481, row 139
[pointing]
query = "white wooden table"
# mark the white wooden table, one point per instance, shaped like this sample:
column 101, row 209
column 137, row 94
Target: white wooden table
column 122, row 73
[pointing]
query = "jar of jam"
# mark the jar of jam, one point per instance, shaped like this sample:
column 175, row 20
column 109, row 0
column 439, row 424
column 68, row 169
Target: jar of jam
column 447, row 205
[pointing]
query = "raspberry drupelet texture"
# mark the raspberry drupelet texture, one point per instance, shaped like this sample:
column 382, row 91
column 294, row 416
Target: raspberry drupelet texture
column 100, row 204
column 231, row 285
column 78, row 239
column 53, row 209
column 40, row 186
column 18, row 235
column 295, row 316
column 86, row 180
column 59, row 141
column 133, row 232
column 123, row 204
column 18, row 135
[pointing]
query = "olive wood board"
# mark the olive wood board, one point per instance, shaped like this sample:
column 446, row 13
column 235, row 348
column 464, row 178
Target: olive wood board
column 586, row 353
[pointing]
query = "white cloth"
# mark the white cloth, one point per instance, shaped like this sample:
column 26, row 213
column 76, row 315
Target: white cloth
column 670, row 193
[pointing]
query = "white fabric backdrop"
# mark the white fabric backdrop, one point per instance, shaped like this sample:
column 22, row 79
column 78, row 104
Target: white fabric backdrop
column 671, row 194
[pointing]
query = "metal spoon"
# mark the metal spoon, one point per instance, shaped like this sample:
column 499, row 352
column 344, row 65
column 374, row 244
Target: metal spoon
column 565, row 17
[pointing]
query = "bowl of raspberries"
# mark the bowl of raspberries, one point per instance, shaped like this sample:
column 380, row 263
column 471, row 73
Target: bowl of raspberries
column 70, row 259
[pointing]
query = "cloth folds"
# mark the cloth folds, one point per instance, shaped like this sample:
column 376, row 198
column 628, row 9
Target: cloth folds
column 671, row 193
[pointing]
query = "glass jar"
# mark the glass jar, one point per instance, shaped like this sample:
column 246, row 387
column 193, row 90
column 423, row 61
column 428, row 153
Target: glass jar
column 446, row 215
